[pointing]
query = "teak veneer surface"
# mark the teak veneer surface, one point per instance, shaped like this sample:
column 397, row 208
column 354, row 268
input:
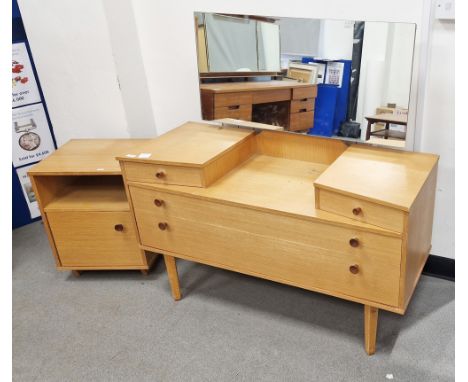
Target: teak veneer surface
column 231, row 87
column 392, row 178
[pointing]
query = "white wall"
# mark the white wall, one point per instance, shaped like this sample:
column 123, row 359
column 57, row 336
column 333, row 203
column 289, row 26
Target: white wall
column 437, row 133
column 336, row 39
column 73, row 51
column 73, row 56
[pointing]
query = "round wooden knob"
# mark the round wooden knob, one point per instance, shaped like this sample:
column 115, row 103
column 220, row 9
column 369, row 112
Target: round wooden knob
column 354, row 269
column 354, row 242
column 163, row 226
column 158, row 202
column 357, row 211
column 119, row 227
column 160, row 174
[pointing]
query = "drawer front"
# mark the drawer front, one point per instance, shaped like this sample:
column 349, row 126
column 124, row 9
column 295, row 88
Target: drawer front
column 266, row 96
column 163, row 174
column 371, row 251
column 307, row 104
column 364, row 211
column 243, row 112
column 276, row 259
column 233, row 99
column 94, row 238
column 305, row 92
column 301, row 121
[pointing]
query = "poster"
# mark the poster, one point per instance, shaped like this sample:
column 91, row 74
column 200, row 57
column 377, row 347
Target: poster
column 24, row 86
column 32, row 140
column 334, row 73
column 28, row 191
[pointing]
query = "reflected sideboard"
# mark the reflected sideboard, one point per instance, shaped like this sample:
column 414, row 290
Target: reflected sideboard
column 237, row 100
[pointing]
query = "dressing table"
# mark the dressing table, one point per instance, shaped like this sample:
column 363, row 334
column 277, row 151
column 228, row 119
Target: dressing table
column 353, row 222
column 237, row 100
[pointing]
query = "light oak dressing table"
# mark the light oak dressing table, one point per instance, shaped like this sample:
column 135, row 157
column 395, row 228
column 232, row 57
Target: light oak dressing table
column 352, row 222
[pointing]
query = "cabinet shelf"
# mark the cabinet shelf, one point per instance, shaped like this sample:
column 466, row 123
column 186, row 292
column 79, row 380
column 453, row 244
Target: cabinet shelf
column 86, row 196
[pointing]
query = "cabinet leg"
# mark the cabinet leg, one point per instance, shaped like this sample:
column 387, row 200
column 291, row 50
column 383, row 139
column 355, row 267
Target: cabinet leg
column 371, row 316
column 173, row 276
column 144, row 272
column 76, row 273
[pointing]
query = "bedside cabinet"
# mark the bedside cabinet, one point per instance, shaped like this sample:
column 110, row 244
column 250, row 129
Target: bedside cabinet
column 85, row 209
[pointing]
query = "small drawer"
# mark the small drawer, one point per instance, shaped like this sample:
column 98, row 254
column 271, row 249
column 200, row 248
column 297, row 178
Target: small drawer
column 305, row 92
column 303, row 105
column 243, row 112
column 232, row 99
column 88, row 239
column 266, row 96
column 362, row 210
column 163, row 174
column 301, row 121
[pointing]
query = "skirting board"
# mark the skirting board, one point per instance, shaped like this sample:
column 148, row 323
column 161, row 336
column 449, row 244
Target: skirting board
column 441, row 267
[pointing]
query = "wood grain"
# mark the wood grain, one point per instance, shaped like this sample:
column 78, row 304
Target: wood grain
column 418, row 237
column 384, row 176
column 243, row 112
column 300, row 147
column 301, row 121
column 371, row 315
column 89, row 238
column 315, row 234
column 173, row 276
column 307, row 104
column 250, row 86
column 190, row 145
column 372, row 213
column 273, row 257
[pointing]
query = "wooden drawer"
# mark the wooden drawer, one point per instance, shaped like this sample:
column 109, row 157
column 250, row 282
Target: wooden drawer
column 364, row 211
column 90, row 239
column 266, row 96
column 153, row 207
column 271, row 257
column 163, row 174
column 232, row 99
column 243, row 112
column 306, row 104
column 301, row 121
column 305, row 92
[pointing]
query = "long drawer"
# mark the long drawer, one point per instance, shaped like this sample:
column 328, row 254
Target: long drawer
column 94, row 238
column 310, row 254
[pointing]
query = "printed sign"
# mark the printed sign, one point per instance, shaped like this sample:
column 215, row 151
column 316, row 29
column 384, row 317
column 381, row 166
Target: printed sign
column 334, row 73
column 31, row 136
column 28, row 191
column 24, row 86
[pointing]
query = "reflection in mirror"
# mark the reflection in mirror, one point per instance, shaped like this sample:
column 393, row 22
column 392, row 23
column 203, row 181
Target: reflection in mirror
column 335, row 78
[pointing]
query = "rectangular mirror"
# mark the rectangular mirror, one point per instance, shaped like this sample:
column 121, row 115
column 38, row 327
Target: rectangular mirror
column 344, row 79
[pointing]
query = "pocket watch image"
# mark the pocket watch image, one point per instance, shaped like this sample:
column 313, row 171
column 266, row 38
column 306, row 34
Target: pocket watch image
column 28, row 141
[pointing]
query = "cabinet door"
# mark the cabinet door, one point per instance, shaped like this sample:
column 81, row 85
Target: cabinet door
column 94, row 238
